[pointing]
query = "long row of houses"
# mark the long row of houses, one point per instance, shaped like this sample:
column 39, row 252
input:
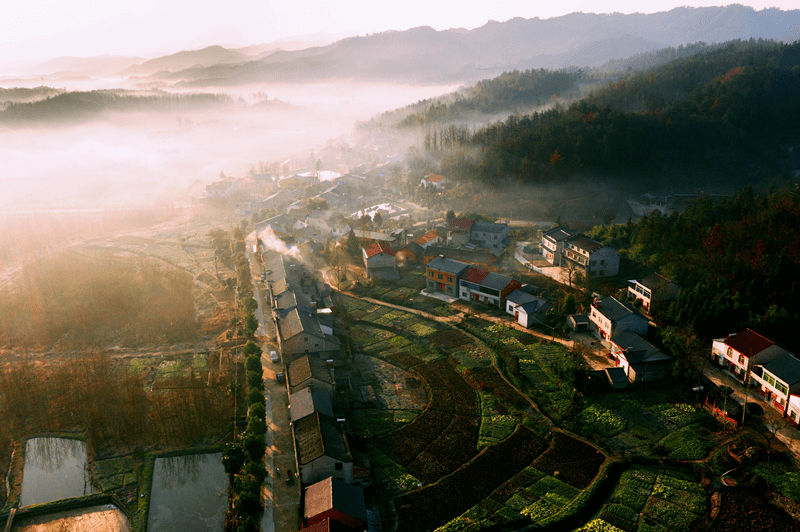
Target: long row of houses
column 332, row 473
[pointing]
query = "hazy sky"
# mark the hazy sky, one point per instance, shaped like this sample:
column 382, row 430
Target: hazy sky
column 44, row 29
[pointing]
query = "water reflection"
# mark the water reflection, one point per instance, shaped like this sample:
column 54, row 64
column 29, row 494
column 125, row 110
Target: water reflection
column 189, row 493
column 55, row 468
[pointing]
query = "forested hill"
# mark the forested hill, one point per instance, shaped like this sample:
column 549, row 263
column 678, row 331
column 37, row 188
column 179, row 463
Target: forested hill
column 507, row 93
column 77, row 106
column 737, row 261
column 723, row 114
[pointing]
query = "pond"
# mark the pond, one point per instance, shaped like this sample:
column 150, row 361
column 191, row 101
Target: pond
column 189, row 493
column 55, row 468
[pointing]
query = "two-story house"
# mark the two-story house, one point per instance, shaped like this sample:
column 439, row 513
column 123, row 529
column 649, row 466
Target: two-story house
column 443, row 275
column 653, row 289
column 779, row 379
column 589, row 257
column 610, row 317
column 489, row 235
column 380, row 261
column 553, row 243
column 490, row 288
column 428, row 239
column 740, row 352
column 459, row 232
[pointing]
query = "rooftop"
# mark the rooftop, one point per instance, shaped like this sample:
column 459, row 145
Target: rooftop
column 748, row 342
column 654, row 282
column 319, row 435
column 447, row 265
column 489, row 227
column 460, row 224
column 786, row 368
column 306, row 368
column 474, row 275
column 308, row 401
column 332, row 494
column 637, row 349
column 376, row 248
column 558, row 234
column 585, row 243
column 614, row 309
column 434, row 178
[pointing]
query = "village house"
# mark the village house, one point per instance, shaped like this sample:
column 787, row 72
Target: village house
column 308, row 401
column 428, row 239
column 652, row 289
column 489, row 235
column 527, row 309
column 332, row 499
column 412, row 252
column 778, row 380
column 443, row 275
column 610, row 317
column 589, row 257
column 310, row 372
column 439, row 182
column 368, row 237
column 740, row 352
column 641, row 360
column 224, row 188
column 553, row 243
column 282, row 226
column 459, row 232
column 300, row 333
column 322, row 449
column 380, row 261
column 481, row 286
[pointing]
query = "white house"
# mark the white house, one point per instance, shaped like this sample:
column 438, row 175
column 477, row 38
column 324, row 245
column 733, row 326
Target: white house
column 527, row 309
column 553, row 243
column 652, row 289
column 590, row 257
column 380, row 261
column 740, row 352
column 610, row 317
column 778, row 380
column 439, row 182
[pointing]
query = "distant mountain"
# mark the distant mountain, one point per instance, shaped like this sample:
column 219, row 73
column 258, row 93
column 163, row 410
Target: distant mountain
column 99, row 65
column 210, row 56
column 426, row 55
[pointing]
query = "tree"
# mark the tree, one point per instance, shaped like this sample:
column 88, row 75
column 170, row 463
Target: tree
column 450, row 216
column 251, row 348
column 570, row 306
column 250, row 324
column 232, row 459
column 377, row 220
column 352, row 246
column 255, row 380
column 253, row 363
column 254, row 446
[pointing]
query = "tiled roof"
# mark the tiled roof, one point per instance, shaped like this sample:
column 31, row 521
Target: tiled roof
column 296, row 322
column 472, row 256
column 414, row 248
column 474, row 275
column 319, row 435
column 497, row 281
column 460, row 224
column 427, row 237
column 654, row 282
column 308, row 401
column 377, row 248
column 489, row 227
column 307, row 367
column 585, row 243
column 447, row 265
column 748, row 342
column 519, row 297
column 638, row 350
column 330, row 494
column 329, row 525
column 558, row 234
column 786, row 368
column 614, row 310
column 434, row 178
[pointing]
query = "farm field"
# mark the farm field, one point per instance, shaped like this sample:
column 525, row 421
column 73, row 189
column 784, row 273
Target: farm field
column 405, row 292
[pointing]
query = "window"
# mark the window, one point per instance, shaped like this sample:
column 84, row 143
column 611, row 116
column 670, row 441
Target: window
column 793, row 415
column 449, row 279
column 430, row 273
column 440, row 276
column 602, row 263
column 741, row 359
column 305, row 339
column 730, row 353
column 337, row 466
